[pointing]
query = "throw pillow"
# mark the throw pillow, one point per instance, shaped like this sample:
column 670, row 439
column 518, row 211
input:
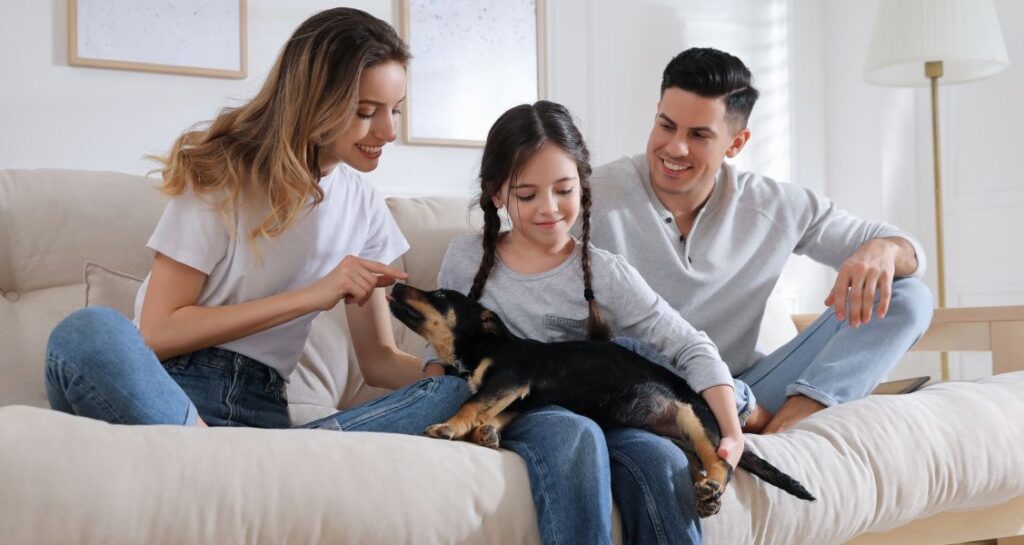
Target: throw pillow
column 109, row 288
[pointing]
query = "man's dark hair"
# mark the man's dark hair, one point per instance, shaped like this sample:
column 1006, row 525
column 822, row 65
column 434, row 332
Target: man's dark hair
column 711, row 73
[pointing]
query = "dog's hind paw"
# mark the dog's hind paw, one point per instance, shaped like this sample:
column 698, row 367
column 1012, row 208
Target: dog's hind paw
column 443, row 430
column 485, row 436
column 706, row 508
column 708, row 489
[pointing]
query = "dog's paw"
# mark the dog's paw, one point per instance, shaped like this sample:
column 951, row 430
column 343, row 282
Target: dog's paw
column 485, row 436
column 708, row 490
column 443, row 430
column 706, row 508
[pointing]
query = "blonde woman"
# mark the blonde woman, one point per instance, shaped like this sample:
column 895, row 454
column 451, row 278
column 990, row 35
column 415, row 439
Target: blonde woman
column 269, row 223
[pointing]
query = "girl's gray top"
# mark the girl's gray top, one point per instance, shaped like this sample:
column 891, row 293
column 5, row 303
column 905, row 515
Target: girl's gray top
column 549, row 306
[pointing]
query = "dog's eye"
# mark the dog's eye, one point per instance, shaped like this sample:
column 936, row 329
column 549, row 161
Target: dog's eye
column 440, row 295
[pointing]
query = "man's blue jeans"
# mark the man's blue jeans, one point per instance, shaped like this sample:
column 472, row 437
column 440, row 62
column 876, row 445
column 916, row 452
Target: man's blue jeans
column 833, row 363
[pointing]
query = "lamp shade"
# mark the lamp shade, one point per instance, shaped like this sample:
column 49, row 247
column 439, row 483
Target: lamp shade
column 963, row 34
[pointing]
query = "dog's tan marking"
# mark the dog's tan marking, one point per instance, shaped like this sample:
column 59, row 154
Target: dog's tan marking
column 487, row 322
column 476, row 412
column 478, row 374
column 437, row 329
column 708, row 490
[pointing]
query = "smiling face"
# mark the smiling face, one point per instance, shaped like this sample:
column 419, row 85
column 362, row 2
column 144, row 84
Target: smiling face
column 375, row 124
column 691, row 137
column 544, row 200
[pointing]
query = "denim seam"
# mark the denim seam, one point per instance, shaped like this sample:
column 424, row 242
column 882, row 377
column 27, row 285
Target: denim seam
column 232, row 394
column 543, row 477
column 651, row 505
column 427, row 388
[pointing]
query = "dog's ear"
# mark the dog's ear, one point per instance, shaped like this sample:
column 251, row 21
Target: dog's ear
column 491, row 323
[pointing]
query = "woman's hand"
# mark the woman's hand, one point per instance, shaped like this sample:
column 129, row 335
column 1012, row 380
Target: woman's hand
column 353, row 280
column 434, row 369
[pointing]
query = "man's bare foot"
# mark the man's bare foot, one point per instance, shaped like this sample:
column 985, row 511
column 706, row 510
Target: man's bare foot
column 795, row 409
column 757, row 420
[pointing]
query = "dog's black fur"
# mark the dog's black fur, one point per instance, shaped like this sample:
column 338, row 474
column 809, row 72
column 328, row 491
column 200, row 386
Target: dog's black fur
column 601, row 380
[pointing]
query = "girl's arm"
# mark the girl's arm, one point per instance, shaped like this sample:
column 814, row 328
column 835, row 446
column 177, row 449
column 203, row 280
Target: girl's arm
column 382, row 363
column 723, row 404
column 172, row 324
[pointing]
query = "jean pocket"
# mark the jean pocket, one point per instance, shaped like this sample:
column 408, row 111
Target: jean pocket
column 177, row 362
column 561, row 328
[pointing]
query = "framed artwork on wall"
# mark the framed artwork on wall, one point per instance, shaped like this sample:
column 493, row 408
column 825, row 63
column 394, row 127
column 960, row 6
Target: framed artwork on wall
column 193, row 37
column 472, row 60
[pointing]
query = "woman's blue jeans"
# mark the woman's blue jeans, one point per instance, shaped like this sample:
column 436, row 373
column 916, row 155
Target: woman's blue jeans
column 98, row 366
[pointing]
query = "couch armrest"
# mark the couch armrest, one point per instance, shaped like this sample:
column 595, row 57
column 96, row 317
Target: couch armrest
column 999, row 330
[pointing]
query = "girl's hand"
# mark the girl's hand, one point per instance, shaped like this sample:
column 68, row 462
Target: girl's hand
column 353, row 280
column 730, row 449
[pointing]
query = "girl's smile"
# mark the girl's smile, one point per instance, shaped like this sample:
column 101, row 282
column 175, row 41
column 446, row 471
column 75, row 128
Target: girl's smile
column 544, row 200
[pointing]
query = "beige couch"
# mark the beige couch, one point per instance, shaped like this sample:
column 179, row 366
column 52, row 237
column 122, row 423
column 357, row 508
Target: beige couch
column 939, row 466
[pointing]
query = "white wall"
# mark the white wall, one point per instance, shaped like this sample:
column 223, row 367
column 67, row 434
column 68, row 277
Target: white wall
column 878, row 159
column 57, row 116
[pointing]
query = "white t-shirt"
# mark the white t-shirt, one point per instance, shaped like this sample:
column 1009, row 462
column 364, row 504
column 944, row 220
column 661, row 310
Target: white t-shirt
column 352, row 220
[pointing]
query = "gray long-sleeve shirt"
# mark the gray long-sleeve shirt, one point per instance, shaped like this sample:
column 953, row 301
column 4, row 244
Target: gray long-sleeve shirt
column 549, row 306
column 720, row 276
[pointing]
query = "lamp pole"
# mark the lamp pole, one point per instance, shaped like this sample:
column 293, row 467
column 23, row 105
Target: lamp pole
column 933, row 71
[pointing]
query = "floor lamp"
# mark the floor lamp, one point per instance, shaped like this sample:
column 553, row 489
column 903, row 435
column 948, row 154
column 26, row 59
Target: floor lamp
column 917, row 42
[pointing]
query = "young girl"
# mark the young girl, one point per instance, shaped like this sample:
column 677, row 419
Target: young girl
column 546, row 285
column 268, row 224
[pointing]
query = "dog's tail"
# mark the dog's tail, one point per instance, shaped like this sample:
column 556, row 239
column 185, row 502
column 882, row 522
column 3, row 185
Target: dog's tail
column 772, row 475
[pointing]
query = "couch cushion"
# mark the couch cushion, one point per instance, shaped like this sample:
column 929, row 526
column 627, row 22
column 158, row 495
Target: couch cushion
column 53, row 221
column 882, row 462
column 874, row 464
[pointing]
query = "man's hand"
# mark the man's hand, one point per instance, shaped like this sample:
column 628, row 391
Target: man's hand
column 868, row 271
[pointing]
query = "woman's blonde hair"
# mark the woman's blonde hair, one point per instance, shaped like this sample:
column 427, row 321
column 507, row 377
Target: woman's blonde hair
column 267, row 150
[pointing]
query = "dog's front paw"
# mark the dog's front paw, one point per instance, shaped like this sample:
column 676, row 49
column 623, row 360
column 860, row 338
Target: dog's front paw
column 485, row 436
column 443, row 430
column 706, row 508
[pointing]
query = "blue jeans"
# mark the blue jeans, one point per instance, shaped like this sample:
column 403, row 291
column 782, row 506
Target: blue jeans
column 833, row 363
column 575, row 467
column 98, row 366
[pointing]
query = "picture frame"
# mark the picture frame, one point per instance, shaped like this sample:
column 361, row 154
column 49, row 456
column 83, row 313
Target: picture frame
column 191, row 37
column 472, row 60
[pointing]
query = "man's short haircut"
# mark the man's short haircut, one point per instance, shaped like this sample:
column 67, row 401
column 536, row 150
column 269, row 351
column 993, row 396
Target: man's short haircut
column 711, row 73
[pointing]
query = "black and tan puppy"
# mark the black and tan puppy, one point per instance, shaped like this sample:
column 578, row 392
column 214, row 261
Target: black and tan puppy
column 601, row 380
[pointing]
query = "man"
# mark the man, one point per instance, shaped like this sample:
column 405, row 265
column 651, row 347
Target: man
column 713, row 241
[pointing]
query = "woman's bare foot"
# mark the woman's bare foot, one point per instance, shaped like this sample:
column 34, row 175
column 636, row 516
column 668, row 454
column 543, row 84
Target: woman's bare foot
column 795, row 409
